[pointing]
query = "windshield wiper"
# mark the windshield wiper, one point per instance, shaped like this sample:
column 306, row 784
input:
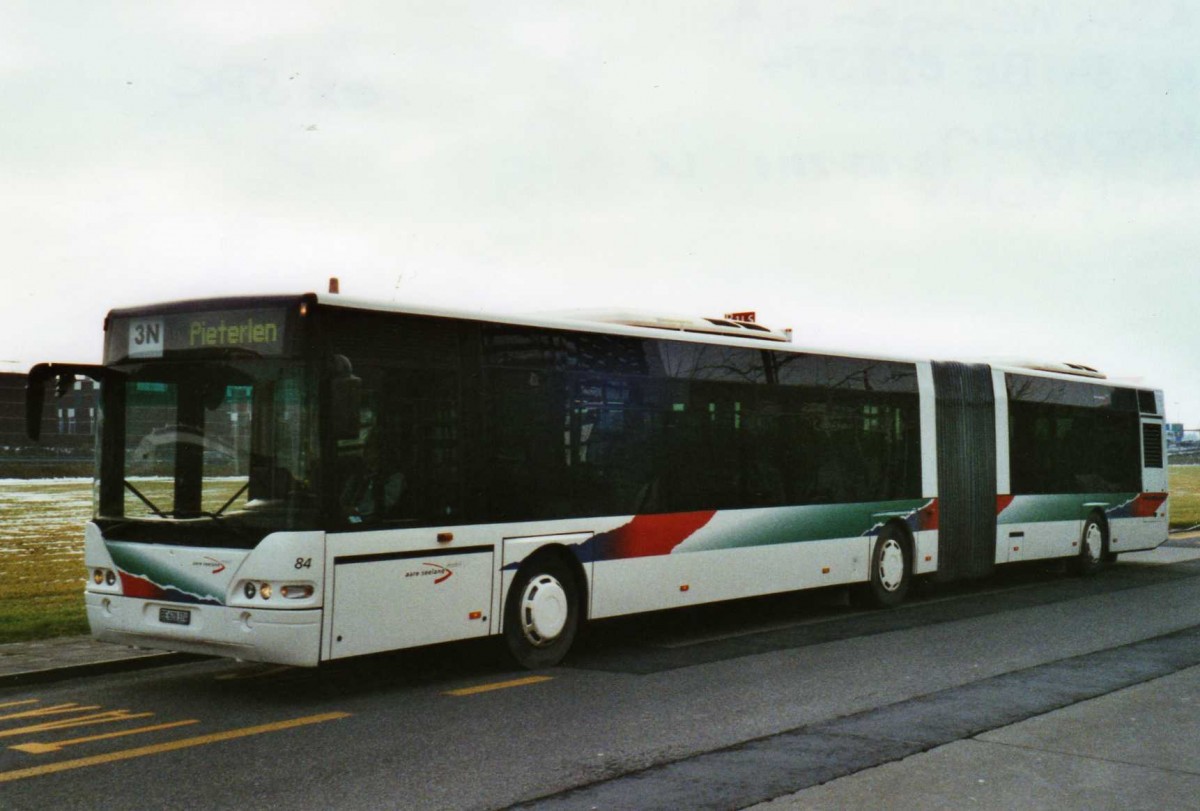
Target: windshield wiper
column 189, row 513
column 145, row 500
column 232, row 499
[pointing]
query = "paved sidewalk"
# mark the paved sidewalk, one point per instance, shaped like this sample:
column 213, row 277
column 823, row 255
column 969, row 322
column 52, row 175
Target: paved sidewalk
column 70, row 656
column 1136, row 748
column 1132, row 749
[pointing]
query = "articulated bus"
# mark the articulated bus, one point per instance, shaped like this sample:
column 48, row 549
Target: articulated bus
column 307, row 478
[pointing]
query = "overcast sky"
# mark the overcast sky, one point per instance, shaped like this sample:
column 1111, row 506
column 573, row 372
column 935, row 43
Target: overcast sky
column 937, row 179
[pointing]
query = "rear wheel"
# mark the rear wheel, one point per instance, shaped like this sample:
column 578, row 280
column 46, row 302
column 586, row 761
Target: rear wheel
column 1093, row 552
column 891, row 572
column 541, row 616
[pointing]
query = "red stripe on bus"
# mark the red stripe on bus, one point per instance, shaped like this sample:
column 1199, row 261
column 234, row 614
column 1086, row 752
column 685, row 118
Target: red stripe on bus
column 648, row 535
column 927, row 516
column 137, row 587
column 1146, row 504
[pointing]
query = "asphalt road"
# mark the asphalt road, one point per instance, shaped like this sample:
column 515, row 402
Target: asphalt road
column 719, row 707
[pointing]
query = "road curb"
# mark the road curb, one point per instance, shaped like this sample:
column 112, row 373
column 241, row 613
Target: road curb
column 108, row 666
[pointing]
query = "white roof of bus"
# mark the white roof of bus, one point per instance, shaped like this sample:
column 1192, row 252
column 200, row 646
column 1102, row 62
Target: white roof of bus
column 579, row 321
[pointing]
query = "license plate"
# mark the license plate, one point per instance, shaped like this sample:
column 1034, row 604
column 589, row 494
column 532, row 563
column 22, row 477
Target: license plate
column 175, row 616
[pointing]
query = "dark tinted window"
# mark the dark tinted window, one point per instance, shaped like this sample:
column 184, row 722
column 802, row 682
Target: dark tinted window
column 1046, row 390
column 700, row 429
column 1068, row 437
column 1146, row 402
column 523, row 347
column 729, row 364
column 406, row 464
column 843, row 374
column 545, row 423
column 392, row 339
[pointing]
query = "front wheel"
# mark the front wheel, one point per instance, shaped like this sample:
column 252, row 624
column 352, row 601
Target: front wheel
column 891, row 572
column 541, row 616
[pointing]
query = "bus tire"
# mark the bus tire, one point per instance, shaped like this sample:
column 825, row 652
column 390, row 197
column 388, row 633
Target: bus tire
column 891, row 572
column 541, row 616
column 1093, row 547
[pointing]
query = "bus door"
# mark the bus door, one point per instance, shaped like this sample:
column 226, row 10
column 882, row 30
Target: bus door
column 388, row 600
column 405, row 572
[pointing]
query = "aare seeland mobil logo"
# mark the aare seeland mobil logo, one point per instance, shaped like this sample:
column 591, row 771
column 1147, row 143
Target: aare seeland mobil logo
column 212, row 564
column 438, row 572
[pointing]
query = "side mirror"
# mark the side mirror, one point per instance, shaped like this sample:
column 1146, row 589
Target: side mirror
column 35, row 399
column 345, row 399
column 64, row 374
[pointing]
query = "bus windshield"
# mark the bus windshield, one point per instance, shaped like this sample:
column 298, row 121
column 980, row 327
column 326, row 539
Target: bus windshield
column 208, row 453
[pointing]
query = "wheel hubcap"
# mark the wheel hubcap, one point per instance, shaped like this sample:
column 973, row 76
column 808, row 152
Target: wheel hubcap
column 543, row 610
column 1093, row 542
column 891, row 565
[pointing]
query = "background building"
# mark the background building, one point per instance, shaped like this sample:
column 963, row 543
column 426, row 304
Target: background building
column 67, row 444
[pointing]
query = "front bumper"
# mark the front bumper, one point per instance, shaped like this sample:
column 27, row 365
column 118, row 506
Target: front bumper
column 286, row 637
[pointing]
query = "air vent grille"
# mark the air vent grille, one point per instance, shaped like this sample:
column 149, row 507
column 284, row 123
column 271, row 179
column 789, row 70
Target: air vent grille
column 1152, row 444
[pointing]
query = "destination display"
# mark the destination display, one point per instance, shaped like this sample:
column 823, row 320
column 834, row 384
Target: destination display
column 143, row 337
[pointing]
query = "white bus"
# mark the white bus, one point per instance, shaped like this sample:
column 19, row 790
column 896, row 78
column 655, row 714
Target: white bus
column 302, row 479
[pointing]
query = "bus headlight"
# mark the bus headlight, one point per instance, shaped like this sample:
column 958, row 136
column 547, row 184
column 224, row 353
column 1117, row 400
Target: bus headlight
column 257, row 590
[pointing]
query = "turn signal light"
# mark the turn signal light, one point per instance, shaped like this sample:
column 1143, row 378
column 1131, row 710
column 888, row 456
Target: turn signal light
column 98, row 576
column 265, row 591
column 296, row 592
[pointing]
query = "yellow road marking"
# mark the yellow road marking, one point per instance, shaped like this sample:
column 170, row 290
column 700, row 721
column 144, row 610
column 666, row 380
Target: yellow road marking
column 43, row 748
column 19, row 703
column 81, row 721
column 500, row 685
column 57, row 709
column 169, row 746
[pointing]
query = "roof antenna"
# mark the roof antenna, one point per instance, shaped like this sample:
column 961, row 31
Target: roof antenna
column 333, row 285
